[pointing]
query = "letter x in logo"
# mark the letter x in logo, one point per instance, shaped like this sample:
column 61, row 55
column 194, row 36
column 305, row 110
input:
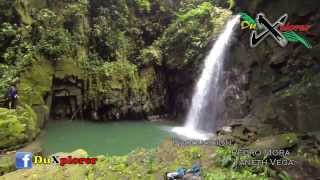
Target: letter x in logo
column 268, row 29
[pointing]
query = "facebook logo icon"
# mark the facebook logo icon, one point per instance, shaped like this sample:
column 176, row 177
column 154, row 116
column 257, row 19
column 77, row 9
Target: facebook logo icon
column 23, row 160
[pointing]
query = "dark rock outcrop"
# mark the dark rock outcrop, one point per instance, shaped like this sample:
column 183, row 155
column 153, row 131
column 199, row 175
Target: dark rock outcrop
column 281, row 84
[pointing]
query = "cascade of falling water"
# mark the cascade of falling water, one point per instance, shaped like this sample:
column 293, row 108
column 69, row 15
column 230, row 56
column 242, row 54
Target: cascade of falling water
column 206, row 100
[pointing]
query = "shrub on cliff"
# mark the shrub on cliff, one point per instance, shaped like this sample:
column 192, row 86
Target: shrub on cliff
column 117, row 75
column 28, row 118
column 120, row 83
column 75, row 16
column 52, row 40
column 7, row 76
column 17, row 126
column 11, row 128
column 55, row 43
column 183, row 41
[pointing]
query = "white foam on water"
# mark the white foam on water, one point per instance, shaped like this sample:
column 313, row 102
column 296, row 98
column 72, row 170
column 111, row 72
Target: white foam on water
column 191, row 133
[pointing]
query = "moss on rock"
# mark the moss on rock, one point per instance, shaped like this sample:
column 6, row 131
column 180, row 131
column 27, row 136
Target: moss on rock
column 282, row 141
column 11, row 129
column 121, row 86
column 295, row 107
column 67, row 67
column 17, row 126
column 35, row 83
column 6, row 164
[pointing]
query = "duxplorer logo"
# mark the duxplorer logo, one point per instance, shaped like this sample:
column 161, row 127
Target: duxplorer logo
column 281, row 31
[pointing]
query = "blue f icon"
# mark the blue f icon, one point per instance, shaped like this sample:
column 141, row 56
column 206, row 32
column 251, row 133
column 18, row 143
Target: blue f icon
column 23, row 160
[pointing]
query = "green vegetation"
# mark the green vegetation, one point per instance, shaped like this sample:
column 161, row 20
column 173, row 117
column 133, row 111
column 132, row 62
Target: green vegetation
column 226, row 158
column 55, row 43
column 144, row 5
column 183, row 41
column 118, row 49
column 150, row 164
column 118, row 76
column 131, row 55
column 11, row 128
column 17, row 126
column 6, row 165
column 35, row 83
column 8, row 76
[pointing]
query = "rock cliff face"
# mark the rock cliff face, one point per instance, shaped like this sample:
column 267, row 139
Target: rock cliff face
column 271, row 84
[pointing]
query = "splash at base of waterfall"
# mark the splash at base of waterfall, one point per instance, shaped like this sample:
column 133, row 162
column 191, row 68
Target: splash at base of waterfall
column 191, row 133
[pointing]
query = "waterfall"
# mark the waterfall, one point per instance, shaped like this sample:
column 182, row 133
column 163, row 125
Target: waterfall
column 206, row 101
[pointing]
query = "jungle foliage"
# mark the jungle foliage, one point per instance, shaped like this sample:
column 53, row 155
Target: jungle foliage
column 120, row 47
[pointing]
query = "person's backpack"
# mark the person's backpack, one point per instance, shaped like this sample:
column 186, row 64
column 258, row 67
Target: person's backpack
column 195, row 170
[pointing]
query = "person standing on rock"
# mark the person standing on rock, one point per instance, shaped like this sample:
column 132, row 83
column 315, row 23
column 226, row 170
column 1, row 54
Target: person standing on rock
column 12, row 97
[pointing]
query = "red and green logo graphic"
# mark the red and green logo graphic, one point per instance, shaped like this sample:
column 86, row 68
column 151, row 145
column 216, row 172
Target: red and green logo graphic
column 281, row 32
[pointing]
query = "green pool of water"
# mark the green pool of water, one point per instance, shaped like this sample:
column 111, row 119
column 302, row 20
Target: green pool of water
column 116, row 138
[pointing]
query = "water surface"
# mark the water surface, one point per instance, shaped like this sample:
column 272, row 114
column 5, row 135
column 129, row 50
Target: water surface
column 115, row 138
